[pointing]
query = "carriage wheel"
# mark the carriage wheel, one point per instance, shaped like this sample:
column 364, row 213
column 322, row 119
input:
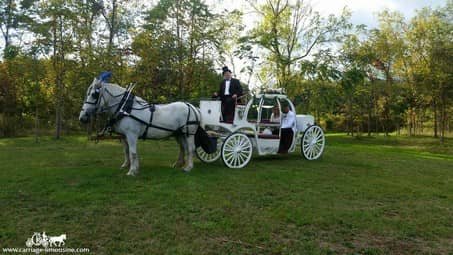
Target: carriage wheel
column 206, row 157
column 236, row 150
column 313, row 142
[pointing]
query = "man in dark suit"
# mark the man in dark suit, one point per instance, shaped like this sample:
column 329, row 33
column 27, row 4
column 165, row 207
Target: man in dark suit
column 229, row 91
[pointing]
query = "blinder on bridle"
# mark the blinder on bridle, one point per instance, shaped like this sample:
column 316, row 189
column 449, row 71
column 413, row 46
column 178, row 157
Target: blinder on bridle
column 95, row 95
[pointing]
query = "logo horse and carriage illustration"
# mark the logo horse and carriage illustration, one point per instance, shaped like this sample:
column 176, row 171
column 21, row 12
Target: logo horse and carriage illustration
column 45, row 241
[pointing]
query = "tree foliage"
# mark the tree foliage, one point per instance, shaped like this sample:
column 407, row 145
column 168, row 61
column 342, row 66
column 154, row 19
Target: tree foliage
column 393, row 77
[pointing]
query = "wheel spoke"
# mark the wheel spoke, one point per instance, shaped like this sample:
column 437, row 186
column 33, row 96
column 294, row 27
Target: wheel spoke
column 316, row 150
column 311, row 153
column 228, row 149
column 242, row 157
column 246, row 147
column 317, row 147
column 318, row 137
column 235, row 160
column 316, row 132
column 228, row 146
column 239, row 160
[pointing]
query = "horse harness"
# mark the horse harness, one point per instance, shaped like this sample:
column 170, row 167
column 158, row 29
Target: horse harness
column 125, row 108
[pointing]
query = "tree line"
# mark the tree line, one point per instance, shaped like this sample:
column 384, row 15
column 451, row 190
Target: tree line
column 396, row 77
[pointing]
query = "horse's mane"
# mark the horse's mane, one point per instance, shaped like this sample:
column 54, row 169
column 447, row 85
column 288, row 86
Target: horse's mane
column 116, row 89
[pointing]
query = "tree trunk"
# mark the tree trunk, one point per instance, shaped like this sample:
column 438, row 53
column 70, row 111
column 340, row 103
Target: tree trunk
column 36, row 90
column 58, row 65
column 36, row 125
column 112, row 32
column 351, row 118
column 180, row 75
column 369, row 120
column 443, row 115
column 412, row 123
column 58, row 109
column 57, row 82
column 376, row 115
column 8, row 15
column 435, row 117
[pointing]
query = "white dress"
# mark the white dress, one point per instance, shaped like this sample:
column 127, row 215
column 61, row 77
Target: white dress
column 275, row 118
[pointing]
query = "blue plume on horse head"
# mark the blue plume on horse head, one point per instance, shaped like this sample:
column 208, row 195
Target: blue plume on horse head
column 105, row 76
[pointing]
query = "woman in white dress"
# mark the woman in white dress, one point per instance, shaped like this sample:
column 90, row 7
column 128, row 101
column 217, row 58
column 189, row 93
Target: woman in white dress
column 275, row 116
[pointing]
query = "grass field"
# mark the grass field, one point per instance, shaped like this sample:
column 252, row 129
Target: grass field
column 364, row 196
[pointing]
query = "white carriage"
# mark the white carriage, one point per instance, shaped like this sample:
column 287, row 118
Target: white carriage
column 253, row 132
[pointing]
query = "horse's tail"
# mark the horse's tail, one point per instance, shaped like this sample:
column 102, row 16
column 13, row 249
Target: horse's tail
column 201, row 137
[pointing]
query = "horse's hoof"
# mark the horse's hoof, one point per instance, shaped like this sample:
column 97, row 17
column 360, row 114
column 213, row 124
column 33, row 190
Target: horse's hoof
column 124, row 166
column 186, row 169
column 177, row 165
column 131, row 173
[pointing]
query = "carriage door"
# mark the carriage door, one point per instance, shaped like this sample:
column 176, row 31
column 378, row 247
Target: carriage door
column 253, row 112
column 286, row 101
column 270, row 118
column 269, row 125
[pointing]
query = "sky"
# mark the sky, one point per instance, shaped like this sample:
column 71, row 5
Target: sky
column 363, row 11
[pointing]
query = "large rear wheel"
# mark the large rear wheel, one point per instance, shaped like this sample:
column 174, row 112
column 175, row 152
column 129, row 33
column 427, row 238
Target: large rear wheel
column 313, row 141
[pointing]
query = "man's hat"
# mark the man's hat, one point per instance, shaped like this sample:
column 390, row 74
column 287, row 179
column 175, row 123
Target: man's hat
column 225, row 69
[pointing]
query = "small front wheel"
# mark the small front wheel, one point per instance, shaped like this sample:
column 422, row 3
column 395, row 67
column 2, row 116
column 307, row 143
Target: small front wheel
column 237, row 150
column 206, row 157
column 313, row 142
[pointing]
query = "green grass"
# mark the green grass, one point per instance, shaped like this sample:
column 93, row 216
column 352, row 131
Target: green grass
column 364, row 196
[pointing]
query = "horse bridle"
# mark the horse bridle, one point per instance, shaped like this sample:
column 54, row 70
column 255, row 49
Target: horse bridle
column 97, row 95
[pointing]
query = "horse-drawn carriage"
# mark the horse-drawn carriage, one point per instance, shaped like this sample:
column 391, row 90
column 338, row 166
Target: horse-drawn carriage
column 253, row 131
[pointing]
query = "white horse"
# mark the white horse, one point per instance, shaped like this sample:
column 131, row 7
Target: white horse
column 179, row 119
column 57, row 241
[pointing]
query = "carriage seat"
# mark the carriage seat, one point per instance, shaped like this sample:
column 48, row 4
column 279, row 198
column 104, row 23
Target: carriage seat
column 263, row 136
column 267, row 121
